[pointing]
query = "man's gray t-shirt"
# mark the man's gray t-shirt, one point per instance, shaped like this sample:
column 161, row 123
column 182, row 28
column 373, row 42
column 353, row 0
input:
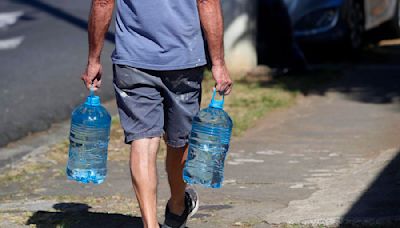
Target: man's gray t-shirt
column 158, row 34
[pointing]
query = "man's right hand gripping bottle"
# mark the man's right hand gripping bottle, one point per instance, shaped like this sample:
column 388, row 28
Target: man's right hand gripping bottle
column 208, row 146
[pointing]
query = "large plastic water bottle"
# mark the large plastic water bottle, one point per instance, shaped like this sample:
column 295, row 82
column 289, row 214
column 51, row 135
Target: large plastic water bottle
column 89, row 136
column 208, row 146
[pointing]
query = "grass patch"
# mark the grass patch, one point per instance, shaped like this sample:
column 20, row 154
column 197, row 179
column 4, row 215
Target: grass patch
column 253, row 96
column 16, row 218
column 22, row 172
column 250, row 100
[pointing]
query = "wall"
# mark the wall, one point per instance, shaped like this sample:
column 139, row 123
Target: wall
column 240, row 34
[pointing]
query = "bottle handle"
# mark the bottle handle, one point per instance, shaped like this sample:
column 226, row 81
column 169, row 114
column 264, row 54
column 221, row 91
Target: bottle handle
column 217, row 103
column 91, row 90
column 92, row 99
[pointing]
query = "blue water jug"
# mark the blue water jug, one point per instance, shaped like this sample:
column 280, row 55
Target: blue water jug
column 208, row 146
column 89, row 136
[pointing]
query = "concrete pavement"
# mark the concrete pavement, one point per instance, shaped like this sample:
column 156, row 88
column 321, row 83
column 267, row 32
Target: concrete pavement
column 332, row 159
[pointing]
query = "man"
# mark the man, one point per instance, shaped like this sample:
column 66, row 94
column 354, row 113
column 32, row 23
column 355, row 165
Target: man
column 158, row 66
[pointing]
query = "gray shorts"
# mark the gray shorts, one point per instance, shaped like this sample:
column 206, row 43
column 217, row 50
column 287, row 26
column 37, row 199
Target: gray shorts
column 151, row 103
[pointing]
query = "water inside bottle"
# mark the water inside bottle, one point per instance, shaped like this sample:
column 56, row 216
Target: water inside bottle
column 89, row 136
column 87, row 154
column 207, row 151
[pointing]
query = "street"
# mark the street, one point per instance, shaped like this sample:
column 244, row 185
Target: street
column 324, row 153
column 43, row 52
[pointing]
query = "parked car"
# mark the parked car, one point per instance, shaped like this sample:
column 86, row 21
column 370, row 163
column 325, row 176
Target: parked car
column 343, row 20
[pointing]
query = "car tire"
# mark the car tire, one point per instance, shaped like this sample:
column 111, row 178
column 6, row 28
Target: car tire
column 355, row 23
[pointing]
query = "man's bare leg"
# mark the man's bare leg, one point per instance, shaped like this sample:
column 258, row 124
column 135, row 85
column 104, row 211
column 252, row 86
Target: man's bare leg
column 175, row 162
column 144, row 178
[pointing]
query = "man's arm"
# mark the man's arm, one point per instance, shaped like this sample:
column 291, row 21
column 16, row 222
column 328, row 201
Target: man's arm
column 99, row 21
column 211, row 20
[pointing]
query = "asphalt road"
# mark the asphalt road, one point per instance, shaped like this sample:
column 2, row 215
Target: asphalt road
column 43, row 51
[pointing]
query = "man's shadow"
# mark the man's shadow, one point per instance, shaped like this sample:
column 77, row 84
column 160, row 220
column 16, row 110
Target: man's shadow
column 70, row 215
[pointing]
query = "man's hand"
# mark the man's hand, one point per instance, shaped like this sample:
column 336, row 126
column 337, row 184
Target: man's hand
column 92, row 75
column 99, row 21
column 210, row 13
column 223, row 80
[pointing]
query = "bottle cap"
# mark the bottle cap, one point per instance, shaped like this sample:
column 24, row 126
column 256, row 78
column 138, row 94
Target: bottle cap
column 217, row 103
column 93, row 100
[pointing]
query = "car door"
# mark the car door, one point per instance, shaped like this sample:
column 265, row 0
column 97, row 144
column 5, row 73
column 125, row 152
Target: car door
column 378, row 12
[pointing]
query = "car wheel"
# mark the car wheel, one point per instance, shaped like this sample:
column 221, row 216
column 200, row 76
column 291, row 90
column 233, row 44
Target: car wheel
column 355, row 24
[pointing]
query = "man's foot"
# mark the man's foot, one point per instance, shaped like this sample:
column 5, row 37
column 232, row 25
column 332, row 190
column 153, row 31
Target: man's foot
column 191, row 207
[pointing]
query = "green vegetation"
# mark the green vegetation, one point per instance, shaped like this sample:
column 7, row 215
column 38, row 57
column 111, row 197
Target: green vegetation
column 250, row 100
column 253, row 96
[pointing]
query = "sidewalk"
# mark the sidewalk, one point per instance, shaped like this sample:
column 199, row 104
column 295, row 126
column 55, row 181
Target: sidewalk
column 316, row 163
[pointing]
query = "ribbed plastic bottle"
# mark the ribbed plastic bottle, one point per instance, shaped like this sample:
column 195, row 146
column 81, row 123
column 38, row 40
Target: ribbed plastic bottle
column 89, row 137
column 208, row 146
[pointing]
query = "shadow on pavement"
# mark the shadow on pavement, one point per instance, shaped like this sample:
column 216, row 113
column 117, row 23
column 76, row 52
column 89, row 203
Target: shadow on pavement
column 371, row 77
column 77, row 215
column 61, row 14
column 379, row 205
column 374, row 77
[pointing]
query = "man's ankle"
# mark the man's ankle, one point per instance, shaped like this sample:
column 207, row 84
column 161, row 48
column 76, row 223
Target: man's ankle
column 176, row 207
